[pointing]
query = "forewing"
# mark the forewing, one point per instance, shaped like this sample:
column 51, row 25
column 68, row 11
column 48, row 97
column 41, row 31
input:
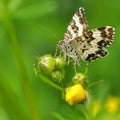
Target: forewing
column 78, row 25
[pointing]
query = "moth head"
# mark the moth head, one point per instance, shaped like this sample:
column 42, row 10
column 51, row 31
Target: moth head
column 62, row 46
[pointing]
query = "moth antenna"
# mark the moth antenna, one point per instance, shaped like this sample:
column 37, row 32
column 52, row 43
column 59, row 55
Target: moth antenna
column 51, row 33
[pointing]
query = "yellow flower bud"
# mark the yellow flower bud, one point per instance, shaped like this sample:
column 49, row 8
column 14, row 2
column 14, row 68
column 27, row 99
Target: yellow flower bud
column 75, row 94
column 46, row 63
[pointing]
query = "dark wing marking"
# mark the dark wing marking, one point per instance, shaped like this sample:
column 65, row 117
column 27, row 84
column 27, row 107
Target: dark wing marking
column 102, row 37
column 97, row 54
column 94, row 47
column 78, row 26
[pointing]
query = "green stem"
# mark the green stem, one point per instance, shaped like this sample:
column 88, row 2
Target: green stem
column 20, row 64
column 84, row 111
column 49, row 82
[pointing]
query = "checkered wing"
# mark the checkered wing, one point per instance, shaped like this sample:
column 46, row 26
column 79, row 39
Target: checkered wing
column 99, row 40
column 77, row 27
column 80, row 43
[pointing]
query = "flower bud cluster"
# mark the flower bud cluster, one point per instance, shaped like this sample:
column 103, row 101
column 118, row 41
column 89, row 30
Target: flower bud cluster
column 54, row 66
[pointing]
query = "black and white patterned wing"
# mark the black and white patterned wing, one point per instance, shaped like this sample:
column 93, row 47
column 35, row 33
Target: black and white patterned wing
column 99, row 40
column 77, row 27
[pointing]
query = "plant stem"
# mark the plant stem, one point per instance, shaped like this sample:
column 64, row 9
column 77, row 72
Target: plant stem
column 8, row 22
column 84, row 111
column 49, row 82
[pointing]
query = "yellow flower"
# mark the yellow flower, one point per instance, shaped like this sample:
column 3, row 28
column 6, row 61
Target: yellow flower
column 75, row 94
column 96, row 107
column 112, row 104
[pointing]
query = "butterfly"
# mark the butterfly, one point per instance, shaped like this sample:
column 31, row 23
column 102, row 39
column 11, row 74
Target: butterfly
column 80, row 43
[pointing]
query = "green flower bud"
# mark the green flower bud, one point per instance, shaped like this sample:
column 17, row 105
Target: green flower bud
column 58, row 75
column 60, row 62
column 46, row 63
column 79, row 78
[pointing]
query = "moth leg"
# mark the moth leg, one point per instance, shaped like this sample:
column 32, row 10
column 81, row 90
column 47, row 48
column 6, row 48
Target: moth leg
column 69, row 60
column 74, row 66
column 56, row 51
column 86, row 69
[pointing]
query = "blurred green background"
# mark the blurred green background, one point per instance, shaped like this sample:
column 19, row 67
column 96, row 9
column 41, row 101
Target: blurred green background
column 38, row 25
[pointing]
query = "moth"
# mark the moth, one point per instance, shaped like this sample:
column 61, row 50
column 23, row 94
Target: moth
column 80, row 43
